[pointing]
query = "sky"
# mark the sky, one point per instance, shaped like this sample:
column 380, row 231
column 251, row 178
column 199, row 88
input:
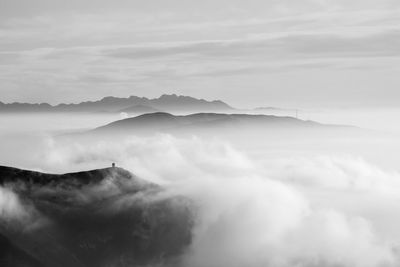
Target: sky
column 303, row 53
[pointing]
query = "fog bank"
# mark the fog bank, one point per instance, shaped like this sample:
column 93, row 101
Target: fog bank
column 306, row 201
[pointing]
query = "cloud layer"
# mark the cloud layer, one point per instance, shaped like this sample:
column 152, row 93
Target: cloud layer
column 260, row 213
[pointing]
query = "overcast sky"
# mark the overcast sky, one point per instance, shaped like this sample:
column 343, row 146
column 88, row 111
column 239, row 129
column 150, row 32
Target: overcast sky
column 292, row 53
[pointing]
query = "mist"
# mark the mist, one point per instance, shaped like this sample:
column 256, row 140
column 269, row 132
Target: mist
column 279, row 198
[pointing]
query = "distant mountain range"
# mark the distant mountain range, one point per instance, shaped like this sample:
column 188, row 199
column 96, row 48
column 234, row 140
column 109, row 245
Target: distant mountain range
column 97, row 218
column 132, row 104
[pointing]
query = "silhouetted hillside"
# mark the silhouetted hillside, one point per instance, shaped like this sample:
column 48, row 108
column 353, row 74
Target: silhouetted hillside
column 166, row 122
column 78, row 179
column 97, row 218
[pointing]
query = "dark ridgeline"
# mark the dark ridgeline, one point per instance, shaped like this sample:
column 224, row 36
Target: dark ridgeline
column 132, row 104
column 195, row 123
column 105, row 217
column 78, row 179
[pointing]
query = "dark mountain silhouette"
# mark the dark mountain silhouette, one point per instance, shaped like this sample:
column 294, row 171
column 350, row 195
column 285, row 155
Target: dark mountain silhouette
column 78, row 179
column 169, row 103
column 235, row 127
column 165, row 122
column 105, row 217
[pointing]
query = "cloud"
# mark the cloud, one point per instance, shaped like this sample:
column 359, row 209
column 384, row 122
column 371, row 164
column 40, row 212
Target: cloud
column 146, row 67
column 339, row 173
column 256, row 213
column 10, row 205
column 337, row 240
column 18, row 215
column 287, row 45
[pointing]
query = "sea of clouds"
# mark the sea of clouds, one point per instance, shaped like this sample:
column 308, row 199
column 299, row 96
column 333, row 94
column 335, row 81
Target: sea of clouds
column 324, row 209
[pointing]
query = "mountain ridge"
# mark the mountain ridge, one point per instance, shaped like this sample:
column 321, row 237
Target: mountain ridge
column 219, row 125
column 158, row 119
column 208, row 124
column 169, row 103
column 12, row 174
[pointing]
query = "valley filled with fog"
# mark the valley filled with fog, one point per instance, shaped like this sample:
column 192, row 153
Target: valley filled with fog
column 263, row 195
